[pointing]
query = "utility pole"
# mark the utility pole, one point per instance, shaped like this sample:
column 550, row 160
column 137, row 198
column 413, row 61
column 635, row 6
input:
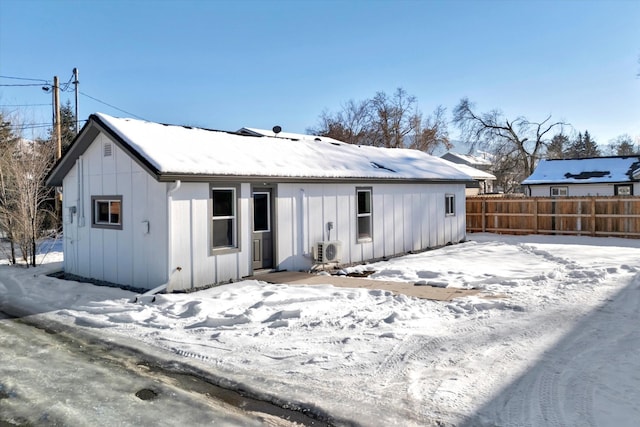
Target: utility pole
column 56, row 106
column 58, row 136
column 76, row 83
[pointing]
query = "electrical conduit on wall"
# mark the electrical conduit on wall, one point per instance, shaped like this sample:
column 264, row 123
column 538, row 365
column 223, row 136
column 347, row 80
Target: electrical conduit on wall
column 172, row 189
column 302, row 238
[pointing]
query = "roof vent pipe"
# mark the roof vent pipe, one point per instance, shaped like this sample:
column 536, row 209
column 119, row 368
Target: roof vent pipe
column 276, row 130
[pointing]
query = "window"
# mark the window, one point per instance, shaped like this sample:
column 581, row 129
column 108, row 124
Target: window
column 450, row 204
column 363, row 196
column 224, row 218
column 623, row 190
column 107, row 212
column 559, row 191
column 261, row 212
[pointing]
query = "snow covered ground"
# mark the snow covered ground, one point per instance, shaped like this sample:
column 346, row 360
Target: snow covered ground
column 552, row 340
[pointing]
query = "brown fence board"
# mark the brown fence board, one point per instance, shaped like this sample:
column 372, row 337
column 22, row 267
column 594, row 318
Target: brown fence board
column 594, row 216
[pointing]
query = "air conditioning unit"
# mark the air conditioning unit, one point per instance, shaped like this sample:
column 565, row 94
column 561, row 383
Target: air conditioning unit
column 327, row 252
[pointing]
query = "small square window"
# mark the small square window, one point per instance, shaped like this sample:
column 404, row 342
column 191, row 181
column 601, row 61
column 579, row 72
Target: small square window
column 107, row 212
column 450, row 204
column 623, row 190
column 559, row 191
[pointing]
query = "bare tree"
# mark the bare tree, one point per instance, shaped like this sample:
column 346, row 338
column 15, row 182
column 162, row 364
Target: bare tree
column 393, row 118
column 24, row 165
column 622, row 145
column 392, row 121
column 430, row 133
column 518, row 139
column 8, row 141
column 350, row 124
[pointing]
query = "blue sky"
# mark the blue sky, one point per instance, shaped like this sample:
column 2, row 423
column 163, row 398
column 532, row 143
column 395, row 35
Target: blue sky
column 229, row 64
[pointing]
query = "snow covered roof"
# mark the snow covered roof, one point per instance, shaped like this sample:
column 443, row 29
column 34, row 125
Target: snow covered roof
column 171, row 151
column 583, row 171
column 473, row 172
column 466, row 159
column 288, row 135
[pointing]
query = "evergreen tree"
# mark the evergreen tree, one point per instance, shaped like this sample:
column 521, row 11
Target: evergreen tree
column 575, row 147
column 555, row 149
column 67, row 126
column 590, row 146
column 582, row 146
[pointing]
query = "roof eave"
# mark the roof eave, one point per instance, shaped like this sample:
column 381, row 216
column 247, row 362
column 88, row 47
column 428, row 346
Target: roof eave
column 173, row 176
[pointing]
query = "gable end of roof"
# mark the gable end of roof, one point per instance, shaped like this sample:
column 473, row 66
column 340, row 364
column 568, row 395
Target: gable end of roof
column 83, row 140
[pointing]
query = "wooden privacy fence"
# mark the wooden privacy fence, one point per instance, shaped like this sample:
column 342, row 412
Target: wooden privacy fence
column 583, row 216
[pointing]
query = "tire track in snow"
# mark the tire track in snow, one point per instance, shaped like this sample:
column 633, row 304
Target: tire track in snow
column 560, row 389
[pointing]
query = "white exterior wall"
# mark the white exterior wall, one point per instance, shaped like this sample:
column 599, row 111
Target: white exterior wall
column 176, row 249
column 576, row 190
column 129, row 256
column 192, row 264
column 406, row 217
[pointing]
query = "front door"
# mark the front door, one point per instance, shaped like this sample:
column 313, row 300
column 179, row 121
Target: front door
column 262, row 237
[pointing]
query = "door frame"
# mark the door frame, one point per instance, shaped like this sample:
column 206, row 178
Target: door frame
column 271, row 189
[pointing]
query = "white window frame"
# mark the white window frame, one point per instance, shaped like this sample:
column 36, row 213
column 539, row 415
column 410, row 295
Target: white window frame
column 368, row 235
column 559, row 191
column 627, row 189
column 450, row 205
column 112, row 202
column 233, row 217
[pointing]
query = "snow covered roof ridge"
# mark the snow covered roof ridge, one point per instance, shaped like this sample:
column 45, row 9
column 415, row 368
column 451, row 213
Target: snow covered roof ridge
column 186, row 150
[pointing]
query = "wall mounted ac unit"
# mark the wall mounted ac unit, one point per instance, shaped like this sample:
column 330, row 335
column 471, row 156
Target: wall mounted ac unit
column 328, row 252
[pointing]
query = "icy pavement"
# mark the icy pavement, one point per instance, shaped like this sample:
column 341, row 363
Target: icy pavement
column 559, row 348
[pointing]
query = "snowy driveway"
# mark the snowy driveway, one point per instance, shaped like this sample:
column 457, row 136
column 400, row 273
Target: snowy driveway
column 559, row 350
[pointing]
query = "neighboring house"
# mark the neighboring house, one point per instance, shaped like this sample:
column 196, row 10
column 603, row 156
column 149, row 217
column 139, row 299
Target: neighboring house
column 469, row 160
column 596, row 176
column 147, row 204
column 478, row 168
column 482, row 181
column 286, row 135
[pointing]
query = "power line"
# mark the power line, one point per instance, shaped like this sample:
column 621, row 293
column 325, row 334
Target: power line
column 25, row 78
column 29, row 126
column 112, row 106
column 65, row 87
column 22, row 84
column 25, row 105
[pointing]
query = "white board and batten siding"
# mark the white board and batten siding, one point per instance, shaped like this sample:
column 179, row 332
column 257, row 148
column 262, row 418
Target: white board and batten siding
column 130, row 256
column 192, row 263
column 406, row 217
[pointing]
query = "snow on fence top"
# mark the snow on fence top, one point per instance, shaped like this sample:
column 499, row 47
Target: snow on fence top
column 173, row 149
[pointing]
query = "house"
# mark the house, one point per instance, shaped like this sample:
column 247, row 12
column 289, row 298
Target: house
column 595, row 176
column 482, row 181
column 147, row 204
column 469, row 160
column 478, row 168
